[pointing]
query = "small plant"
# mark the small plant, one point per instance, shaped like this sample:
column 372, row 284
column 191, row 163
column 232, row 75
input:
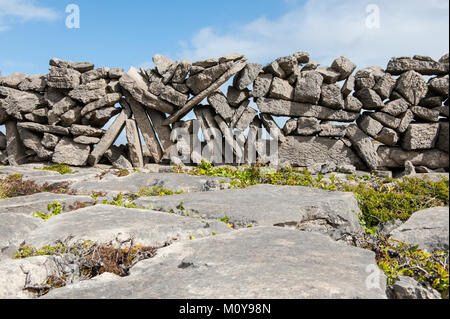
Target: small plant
column 54, row 209
column 121, row 201
column 156, row 191
column 60, row 168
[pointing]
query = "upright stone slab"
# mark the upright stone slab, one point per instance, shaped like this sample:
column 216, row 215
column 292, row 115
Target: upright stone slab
column 162, row 130
column 14, row 145
column 363, row 146
column 70, row 153
column 109, row 138
column 134, row 144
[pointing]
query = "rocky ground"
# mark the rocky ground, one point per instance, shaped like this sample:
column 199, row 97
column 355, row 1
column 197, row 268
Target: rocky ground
column 105, row 237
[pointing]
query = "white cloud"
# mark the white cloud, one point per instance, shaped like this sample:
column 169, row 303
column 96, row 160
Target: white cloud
column 13, row 11
column 328, row 29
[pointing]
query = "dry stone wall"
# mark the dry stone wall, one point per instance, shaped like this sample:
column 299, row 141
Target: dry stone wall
column 371, row 119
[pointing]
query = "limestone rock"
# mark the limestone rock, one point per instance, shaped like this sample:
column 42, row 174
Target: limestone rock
column 395, row 157
column 363, row 146
column 308, row 87
column 247, row 76
column 262, row 85
column 420, row 137
column 329, row 75
column 443, row 140
column 396, row 107
column 71, row 153
column 344, row 67
column 206, row 78
column 409, row 288
column 332, row 97
column 412, row 86
column 385, row 86
column 308, row 126
column 369, row 125
column 370, row 99
column 398, row 66
column 220, row 103
column 63, row 78
column 281, row 89
column 426, row 114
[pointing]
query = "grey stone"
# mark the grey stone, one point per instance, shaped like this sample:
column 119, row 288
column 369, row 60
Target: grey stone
column 13, row 80
column 206, row 63
column 348, row 87
column 332, row 97
column 440, row 85
column 86, row 140
column 71, row 153
column 386, row 119
column 396, row 107
column 426, row 114
column 369, row 125
column 395, row 157
column 115, row 73
column 429, row 229
column 398, row 66
column 304, row 151
column 329, row 75
column 220, row 103
column 213, row 275
column 290, row 126
column 346, row 169
column 352, row 104
column 162, row 130
column 412, row 86
column 431, row 101
column 281, row 89
column 443, row 140
column 406, row 120
column 328, row 129
column 302, row 57
column 388, row 136
column 409, row 288
column 33, row 141
column 275, row 69
column 28, row 205
column 385, row 86
column 262, row 85
column 365, row 79
column 370, row 99
column 288, row 64
column 85, row 130
column 117, row 158
column 50, row 141
column 246, row 118
column 310, row 66
column 63, row 78
column 247, row 76
column 108, row 100
column 17, row 101
column 206, row 78
column 344, row 67
column 420, row 137
column 135, row 84
column 93, row 75
column 171, row 95
column 72, row 116
column 14, row 145
column 294, row 109
column 272, row 127
column 300, row 207
column 363, row 146
column 308, row 87
column 162, row 63
column 36, row 82
column 308, row 126
column 182, row 71
column 99, row 118
column 2, row 141
column 134, row 144
column 235, row 97
column 35, row 127
column 89, row 92
column 83, row 67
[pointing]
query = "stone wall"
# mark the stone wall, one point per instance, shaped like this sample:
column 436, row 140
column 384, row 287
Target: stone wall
column 375, row 119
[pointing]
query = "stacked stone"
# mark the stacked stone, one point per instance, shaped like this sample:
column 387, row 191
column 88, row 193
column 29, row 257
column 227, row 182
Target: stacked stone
column 404, row 113
column 58, row 117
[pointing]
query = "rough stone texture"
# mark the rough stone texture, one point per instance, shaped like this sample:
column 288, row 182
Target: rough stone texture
column 206, row 78
column 294, row 109
column 235, row 97
column 247, row 76
column 369, row 125
column 386, row 119
column 281, row 89
column 429, row 229
column 405, row 121
column 344, row 67
column 328, row 129
column 102, row 223
column 370, row 99
column 86, row 140
column 58, row 130
column 33, row 142
column 329, row 75
column 14, row 145
column 262, row 85
column 304, row 151
column 412, row 86
column 308, row 87
column 388, row 136
column 443, row 140
column 396, row 107
column 395, row 157
column 220, row 103
column 440, row 85
column 352, row 104
column 71, row 153
column 308, row 126
column 331, row 97
column 426, row 114
column 398, row 66
column 420, row 137
column 385, row 86
column 304, row 262
column 348, row 86
column 363, row 146
column 409, row 288
column 290, row 126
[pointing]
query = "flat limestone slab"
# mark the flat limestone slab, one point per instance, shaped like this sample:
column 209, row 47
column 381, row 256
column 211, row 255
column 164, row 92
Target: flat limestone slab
column 257, row 263
column 428, row 228
column 27, row 205
column 13, row 230
column 133, row 183
column 334, row 213
column 103, row 223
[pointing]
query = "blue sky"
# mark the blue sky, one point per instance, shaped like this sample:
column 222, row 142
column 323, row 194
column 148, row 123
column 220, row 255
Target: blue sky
column 120, row 34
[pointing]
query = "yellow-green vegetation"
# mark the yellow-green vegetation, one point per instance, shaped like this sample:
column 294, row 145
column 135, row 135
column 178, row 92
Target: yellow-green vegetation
column 380, row 199
column 60, row 168
column 399, row 259
column 49, row 250
column 121, row 201
column 156, row 191
column 53, row 210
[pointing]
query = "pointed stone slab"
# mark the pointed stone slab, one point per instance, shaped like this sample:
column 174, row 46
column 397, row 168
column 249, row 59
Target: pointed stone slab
column 204, row 94
column 229, row 139
column 14, row 145
column 110, row 136
column 146, row 128
column 134, row 144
